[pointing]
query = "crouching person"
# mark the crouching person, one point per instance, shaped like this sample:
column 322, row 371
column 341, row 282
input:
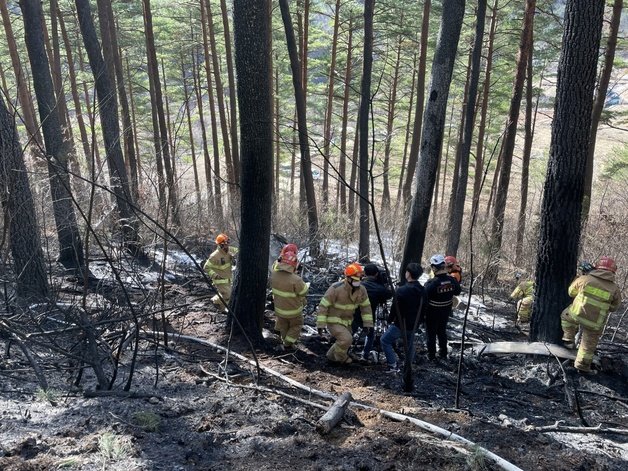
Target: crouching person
column 405, row 312
column 336, row 309
column 289, row 295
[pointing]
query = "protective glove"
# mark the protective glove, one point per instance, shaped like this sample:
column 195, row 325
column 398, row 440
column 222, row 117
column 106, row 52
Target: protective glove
column 321, row 331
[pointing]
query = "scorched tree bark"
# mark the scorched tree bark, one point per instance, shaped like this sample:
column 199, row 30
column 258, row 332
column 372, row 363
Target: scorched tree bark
column 557, row 253
column 252, row 30
column 433, row 127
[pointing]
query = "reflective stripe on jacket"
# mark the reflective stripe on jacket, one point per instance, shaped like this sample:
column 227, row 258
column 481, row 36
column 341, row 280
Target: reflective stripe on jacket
column 289, row 291
column 595, row 295
column 218, row 266
column 340, row 302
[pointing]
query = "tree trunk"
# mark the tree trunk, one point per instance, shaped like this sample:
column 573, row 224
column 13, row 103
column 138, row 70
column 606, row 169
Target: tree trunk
column 306, row 165
column 224, row 126
column 390, row 128
column 564, row 185
column 501, row 195
column 91, row 113
column 106, row 19
column 108, row 107
column 443, row 165
column 169, row 125
column 277, row 140
column 23, row 94
column 161, row 179
column 330, row 104
column 420, row 101
column 342, row 166
column 408, row 126
column 598, row 104
column 479, row 150
column 70, row 245
column 153, row 70
column 458, row 147
column 365, row 104
column 354, row 171
column 525, row 160
column 433, row 127
column 136, row 173
column 235, row 153
column 188, row 115
column 19, row 214
column 74, row 88
column 453, row 240
column 252, row 27
column 57, row 81
column 214, row 123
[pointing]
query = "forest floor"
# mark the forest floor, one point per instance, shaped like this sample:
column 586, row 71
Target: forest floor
column 187, row 417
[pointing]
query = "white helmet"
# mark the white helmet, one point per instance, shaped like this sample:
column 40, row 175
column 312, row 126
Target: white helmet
column 437, row 260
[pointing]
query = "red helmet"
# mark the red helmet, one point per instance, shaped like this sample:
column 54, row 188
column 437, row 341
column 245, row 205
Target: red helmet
column 222, row 239
column 450, row 260
column 606, row 263
column 289, row 248
column 290, row 258
column 354, row 269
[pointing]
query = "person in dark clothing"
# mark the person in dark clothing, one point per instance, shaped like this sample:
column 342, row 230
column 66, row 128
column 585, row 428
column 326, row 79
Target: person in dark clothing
column 378, row 294
column 405, row 312
column 440, row 291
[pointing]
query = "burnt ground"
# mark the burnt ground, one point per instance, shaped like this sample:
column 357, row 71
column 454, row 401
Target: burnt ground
column 186, row 418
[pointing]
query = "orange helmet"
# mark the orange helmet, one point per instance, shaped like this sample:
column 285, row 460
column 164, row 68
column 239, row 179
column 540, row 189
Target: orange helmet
column 222, row 239
column 290, row 258
column 606, row 263
column 289, row 248
column 450, row 260
column 354, row 269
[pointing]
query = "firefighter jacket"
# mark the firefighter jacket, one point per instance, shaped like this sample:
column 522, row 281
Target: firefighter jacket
column 595, row 296
column 378, row 293
column 409, row 297
column 289, row 291
column 340, row 302
column 440, row 292
column 218, row 266
column 523, row 290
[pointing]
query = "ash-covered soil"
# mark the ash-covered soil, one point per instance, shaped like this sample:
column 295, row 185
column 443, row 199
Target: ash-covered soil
column 185, row 416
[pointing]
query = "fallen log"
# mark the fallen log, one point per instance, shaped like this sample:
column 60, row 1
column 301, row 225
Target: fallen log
column 557, row 427
column 446, row 434
column 533, row 348
column 334, row 415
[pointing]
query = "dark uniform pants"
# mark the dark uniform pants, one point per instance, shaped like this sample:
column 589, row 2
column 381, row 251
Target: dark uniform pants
column 436, row 326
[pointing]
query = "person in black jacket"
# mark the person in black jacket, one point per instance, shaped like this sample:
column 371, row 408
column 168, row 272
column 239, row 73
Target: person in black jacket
column 378, row 294
column 407, row 304
column 440, row 291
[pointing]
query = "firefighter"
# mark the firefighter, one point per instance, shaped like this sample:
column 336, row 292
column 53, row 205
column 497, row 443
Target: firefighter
column 595, row 296
column 524, row 293
column 440, row 292
column 336, row 309
column 289, row 295
column 218, row 268
column 453, row 267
